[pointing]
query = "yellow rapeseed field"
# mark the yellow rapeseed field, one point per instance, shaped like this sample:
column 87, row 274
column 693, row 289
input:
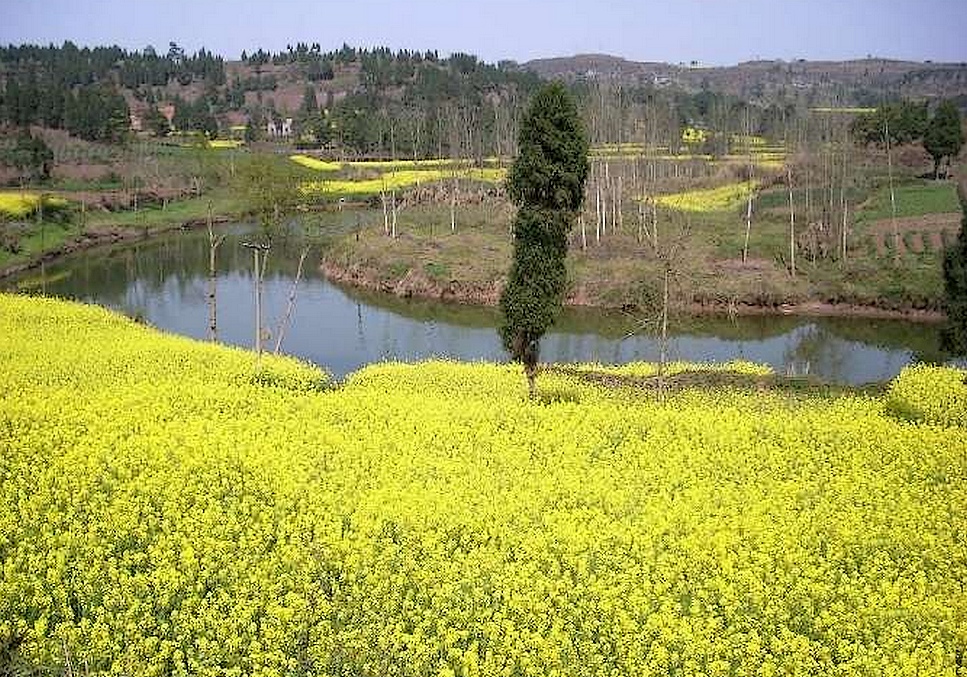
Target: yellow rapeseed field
column 18, row 204
column 397, row 180
column 721, row 198
column 316, row 163
column 694, row 136
column 166, row 510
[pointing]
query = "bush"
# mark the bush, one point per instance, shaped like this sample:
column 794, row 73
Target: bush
column 930, row 394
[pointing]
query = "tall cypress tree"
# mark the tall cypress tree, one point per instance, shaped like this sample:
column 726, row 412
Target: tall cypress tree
column 954, row 336
column 546, row 182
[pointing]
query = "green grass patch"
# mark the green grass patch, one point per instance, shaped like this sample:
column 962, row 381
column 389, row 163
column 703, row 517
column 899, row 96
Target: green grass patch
column 914, row 199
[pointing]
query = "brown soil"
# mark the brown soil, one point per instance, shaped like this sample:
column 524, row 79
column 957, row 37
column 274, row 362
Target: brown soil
column 738, row 265
column 880, row 244
column 928, row 223
column 916, row 243
column 884, row 243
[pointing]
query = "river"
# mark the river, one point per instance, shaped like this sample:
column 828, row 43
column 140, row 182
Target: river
column 163, row 281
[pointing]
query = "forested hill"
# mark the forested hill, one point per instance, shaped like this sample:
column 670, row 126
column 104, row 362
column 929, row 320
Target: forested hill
column 860, row 82
column 359, row 99
column 378, row 102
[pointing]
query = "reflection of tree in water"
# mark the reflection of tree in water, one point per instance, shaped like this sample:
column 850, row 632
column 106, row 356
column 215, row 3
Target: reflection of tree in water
column 176, row 262
column 171, row 271
column 920, row 338
column 816, row 350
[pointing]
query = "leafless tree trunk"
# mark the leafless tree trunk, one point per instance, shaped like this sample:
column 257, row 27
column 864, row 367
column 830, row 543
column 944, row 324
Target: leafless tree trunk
column 843, row 206
column 213, row 244
column 284, row 323
column 641, row 223
column 792, row 224
column 382, row 199
column 748, row 210
column 748, row 227
column 597, row 205
column 394, row 210
column 604, row 200
column 663, row 339
column 453, row 202
column 889, row 164
column 260, row 255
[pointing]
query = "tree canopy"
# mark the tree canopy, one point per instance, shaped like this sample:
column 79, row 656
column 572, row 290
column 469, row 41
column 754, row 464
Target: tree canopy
column 546, row 182
column 31, row 157
column 954, row 337
column 944, row 136
column 904, row 121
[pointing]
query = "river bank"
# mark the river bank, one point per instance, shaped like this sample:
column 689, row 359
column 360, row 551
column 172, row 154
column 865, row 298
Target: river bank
column 103, row 235
column 58, row 240
column 417, row 284
column 163, row 281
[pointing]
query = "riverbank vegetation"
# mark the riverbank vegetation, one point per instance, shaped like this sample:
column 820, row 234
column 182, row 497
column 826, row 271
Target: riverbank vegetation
column 776, row 199
column 613, row 263
column 810, row 217
column 169, row 509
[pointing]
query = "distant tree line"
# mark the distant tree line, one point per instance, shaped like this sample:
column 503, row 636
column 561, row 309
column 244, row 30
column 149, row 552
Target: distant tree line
column 909, row 122
column 405, row 104
column 78, row 88
column 412, row 104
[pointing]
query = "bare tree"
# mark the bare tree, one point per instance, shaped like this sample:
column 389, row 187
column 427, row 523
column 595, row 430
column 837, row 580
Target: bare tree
column 213, row 244
column 284, row 322
column 792, row 224
column 748, row 210
column 889, row 164
column 260, row 252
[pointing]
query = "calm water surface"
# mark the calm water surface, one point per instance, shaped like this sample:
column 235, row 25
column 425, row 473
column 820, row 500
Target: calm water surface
column 164, row 282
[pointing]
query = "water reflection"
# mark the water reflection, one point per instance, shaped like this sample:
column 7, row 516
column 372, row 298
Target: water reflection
column 164, row 281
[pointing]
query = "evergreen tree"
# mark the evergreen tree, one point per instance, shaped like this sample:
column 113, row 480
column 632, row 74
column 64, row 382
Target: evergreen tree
column 31, row 157
column 954, row 336
column 546, row 182
column 309, row 103
column 944, row 136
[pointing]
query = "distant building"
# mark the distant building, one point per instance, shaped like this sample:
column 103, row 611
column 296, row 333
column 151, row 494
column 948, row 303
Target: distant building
column 281, row 129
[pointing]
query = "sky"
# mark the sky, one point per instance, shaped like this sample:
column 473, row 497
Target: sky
column 712, row 32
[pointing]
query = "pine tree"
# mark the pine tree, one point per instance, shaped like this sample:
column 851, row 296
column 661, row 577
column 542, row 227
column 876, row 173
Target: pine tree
column 546, row 182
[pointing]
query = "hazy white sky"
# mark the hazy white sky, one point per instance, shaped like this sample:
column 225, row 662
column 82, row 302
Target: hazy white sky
column 715, row 32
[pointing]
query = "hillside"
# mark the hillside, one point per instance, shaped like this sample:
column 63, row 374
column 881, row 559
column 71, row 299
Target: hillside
column 411, row 104
column 862, row 82
column 170, row 508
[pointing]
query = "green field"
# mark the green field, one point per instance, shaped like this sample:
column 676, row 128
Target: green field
column 170, row 509
column 33, row 239
column 914, row 199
